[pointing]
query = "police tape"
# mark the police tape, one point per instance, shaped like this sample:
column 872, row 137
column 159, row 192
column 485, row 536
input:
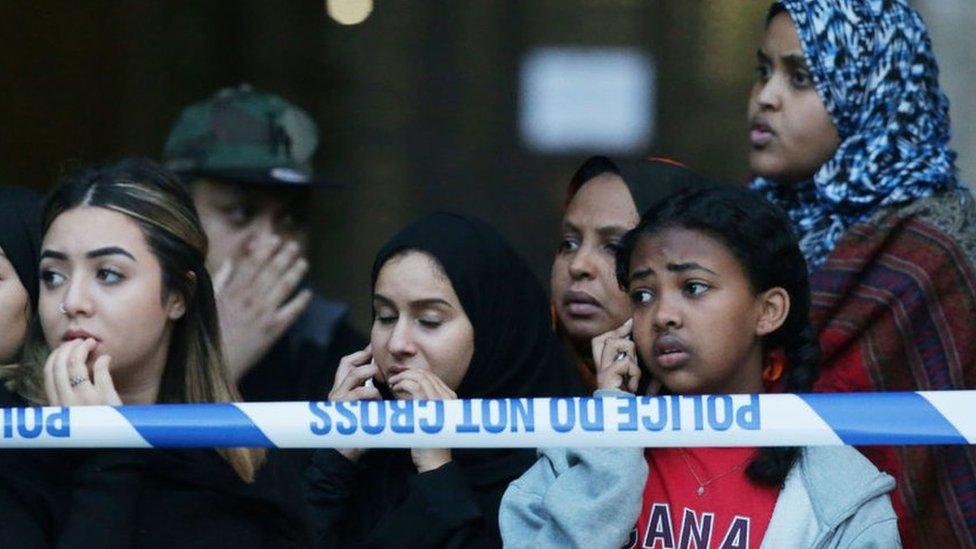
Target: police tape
column 926, row 417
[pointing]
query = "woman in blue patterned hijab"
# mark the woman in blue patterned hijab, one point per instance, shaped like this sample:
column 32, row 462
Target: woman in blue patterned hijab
column 849, row 133
column 871, row 65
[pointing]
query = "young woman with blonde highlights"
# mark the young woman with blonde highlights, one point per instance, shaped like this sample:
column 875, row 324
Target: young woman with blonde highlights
column 126, row 315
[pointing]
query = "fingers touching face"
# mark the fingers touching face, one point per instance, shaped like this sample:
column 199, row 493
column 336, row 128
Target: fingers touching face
column 419, row 322
column 73, row 376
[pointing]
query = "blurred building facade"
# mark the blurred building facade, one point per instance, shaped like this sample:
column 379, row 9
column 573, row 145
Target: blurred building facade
column 418, row 105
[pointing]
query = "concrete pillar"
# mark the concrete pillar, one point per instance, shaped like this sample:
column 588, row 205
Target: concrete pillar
column 951, row 24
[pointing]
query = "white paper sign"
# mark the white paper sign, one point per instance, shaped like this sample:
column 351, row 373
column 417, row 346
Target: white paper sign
column 587, row 99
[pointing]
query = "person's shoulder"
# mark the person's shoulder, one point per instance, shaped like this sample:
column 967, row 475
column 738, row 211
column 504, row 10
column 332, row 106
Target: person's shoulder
column 834, row 461
column 834, row 497
column 839, row 478
column 40, row 473
column 935, row 235
column 322, row 307
column 603, row 466
column 320, row 320
column 10, row 398
column 849, row 497
column 954, row 215
column 948, row 219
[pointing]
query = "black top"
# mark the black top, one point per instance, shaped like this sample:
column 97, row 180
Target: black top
column 382, row 501
column 145, row 498
column 301, row 365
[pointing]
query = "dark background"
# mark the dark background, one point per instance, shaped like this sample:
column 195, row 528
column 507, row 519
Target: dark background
column 417, row 105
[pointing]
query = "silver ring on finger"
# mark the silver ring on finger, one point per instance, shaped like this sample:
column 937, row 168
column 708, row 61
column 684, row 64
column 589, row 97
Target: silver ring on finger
column 74, row 381
column 620, row 355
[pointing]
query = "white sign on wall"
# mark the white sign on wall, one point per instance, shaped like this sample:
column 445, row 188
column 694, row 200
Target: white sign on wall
column 575, row 99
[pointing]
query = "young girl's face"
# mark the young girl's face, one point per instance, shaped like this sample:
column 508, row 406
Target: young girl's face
column 697, row 320
column 100, row 279
column 791, row 134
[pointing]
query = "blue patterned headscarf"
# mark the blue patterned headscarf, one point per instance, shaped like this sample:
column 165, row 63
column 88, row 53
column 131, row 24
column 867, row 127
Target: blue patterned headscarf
column 874, row 70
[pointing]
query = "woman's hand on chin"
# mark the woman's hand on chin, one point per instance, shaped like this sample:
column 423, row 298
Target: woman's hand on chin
column 419, row 384
column 70, row 381
column 351, row 384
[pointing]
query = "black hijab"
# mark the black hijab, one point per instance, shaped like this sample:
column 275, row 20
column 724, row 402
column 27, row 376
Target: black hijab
column 382, row 501
column 515, row 352
column 20, row 234
column 649, row 179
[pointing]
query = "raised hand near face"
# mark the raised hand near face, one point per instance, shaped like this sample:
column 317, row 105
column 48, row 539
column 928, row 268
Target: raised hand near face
column 254, row 300
column 353, row 381
column 72, row 378
column 418, row 384
column 615, row 359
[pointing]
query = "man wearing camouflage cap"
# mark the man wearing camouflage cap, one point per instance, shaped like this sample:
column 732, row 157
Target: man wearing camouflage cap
column 246, row 157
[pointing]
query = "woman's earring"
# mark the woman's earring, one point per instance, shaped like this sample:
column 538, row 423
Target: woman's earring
column 774, row 365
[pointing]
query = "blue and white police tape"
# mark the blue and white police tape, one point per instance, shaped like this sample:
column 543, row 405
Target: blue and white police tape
column 934, row 417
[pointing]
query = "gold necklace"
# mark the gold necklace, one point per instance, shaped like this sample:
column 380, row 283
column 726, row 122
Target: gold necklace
column 702, row 484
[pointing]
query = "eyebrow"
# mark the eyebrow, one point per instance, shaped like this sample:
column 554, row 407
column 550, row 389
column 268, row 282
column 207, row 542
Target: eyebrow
column 794, row 59
column 643, row 273
column 99, row 252
column 690, row 266
column 54, row 255
column 674, row 268
column 612, row 230
column 609, row 230
column 427, row 302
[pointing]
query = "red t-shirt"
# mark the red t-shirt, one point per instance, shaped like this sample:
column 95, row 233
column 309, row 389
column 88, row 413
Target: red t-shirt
column 731, row 512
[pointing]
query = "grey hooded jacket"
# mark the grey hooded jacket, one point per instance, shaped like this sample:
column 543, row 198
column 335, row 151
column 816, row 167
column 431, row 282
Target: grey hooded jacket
column 591, row 497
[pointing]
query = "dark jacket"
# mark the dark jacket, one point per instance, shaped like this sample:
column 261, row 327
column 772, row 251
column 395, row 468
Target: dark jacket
column 146, row 498
column 302, row 364
column 383, row 502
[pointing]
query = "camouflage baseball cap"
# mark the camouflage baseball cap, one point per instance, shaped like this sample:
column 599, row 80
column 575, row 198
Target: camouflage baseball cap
column 241, row 134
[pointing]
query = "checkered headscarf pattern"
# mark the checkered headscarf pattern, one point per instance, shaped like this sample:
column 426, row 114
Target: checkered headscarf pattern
column 874, row 70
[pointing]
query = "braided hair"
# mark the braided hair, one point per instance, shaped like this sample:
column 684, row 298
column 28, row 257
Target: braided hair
column 759, row 236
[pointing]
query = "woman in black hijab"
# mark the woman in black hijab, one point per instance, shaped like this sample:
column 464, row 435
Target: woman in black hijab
column 457, row 314
column 19, row 245
column 604, row 200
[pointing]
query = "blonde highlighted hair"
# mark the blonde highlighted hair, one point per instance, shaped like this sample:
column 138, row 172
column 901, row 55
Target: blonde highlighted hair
column 195, row 370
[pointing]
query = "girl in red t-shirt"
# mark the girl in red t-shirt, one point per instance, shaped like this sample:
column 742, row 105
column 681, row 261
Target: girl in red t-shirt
column 721, row 304
column 719, row 299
